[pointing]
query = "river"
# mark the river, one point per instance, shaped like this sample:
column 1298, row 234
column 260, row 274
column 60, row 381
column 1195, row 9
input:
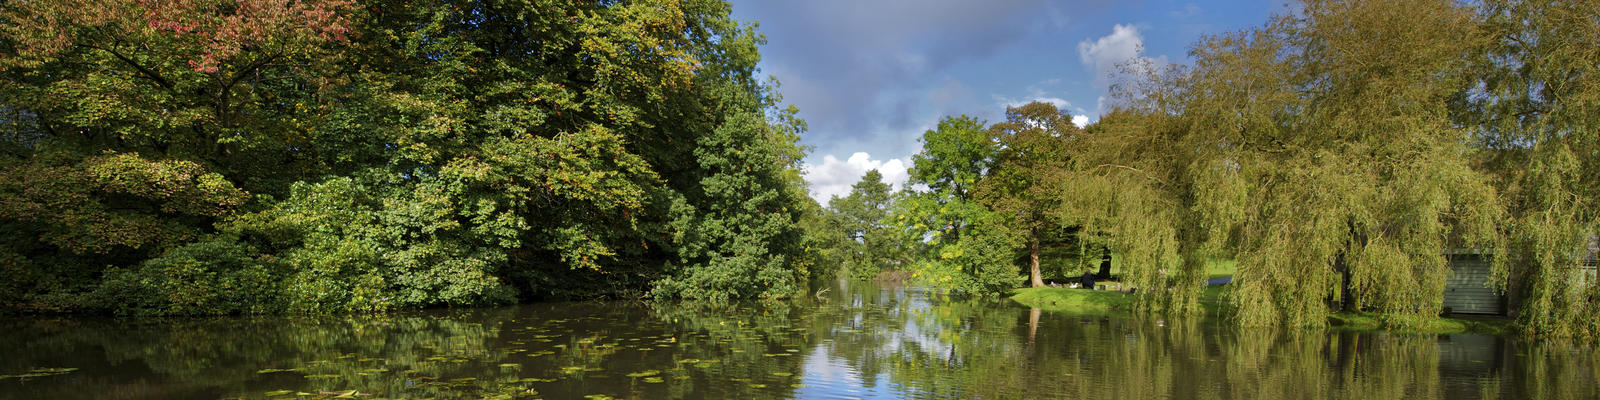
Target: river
column 857, row 341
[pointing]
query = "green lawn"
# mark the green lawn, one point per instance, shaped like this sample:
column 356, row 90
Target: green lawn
column 1219, row 268
column 1076, row 301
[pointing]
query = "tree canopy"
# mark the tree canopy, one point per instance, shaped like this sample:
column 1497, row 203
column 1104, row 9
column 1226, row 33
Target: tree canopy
column 1339, row 153
column 346, row 156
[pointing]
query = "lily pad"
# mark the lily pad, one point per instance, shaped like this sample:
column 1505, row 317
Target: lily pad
column 645, row 373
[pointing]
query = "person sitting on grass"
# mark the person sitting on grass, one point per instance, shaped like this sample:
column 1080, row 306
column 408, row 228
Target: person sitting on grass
column 1087, row 281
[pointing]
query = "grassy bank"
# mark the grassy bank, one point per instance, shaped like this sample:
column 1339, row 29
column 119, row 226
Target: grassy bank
column 1101, row 302
column 1073, row 300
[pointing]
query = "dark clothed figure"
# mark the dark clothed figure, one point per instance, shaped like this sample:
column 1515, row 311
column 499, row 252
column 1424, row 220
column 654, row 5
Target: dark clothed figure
column 1087, row 281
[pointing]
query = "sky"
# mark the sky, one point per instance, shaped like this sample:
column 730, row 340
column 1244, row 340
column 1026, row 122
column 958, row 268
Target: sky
column 870, row 76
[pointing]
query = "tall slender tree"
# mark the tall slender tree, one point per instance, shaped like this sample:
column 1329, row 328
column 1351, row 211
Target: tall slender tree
column 1022, row 185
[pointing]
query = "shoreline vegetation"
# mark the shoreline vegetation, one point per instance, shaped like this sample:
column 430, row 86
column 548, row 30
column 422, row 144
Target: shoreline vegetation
column 1348, row 156
column 362, row 156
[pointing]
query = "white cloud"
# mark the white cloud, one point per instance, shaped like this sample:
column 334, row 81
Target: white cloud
column 1080, row 120
column 1113, row 55
column 834, row 176
column 1003, row 102
column 1104, row 54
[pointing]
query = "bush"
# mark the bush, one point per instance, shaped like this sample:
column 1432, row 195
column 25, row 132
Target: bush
column 210, row 277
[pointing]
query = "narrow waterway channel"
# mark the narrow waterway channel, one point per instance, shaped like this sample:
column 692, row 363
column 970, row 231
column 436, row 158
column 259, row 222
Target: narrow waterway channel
column 863, row 341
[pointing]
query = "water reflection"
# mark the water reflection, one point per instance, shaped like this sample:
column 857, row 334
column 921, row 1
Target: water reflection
column 862, row 342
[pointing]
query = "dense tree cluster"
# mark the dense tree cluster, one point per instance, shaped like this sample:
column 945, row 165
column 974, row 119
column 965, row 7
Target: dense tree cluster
column 1338, row 153
column 252, row 156
column 869, row 244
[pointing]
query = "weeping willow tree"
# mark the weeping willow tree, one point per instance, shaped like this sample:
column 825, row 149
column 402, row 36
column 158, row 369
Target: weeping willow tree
column 1537, row 111
column 1318, row 150
column 1112, row 187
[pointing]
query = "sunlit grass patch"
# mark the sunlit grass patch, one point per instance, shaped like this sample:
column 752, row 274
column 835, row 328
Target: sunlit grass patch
column 1073, row 300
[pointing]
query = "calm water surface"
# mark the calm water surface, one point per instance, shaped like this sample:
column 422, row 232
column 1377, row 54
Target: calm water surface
column 862, row 342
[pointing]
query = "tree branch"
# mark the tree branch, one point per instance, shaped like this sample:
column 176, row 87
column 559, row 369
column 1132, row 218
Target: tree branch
column 146, row 72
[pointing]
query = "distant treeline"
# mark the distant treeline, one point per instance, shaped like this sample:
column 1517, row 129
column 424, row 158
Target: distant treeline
column 1337, row 153
column 267, row 156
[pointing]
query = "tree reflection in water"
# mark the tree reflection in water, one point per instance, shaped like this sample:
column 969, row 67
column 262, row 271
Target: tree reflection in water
column 864, row 341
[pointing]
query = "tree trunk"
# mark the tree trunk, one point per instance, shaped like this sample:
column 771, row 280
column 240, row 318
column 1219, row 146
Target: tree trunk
column 1105, row 264
column 1033, row 258
column 1346, row 291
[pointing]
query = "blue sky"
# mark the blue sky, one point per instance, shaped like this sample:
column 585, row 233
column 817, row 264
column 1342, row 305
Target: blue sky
column 870, row 76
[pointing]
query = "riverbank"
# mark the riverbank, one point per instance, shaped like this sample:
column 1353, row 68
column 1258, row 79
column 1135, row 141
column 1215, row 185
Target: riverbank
column 1103, row 302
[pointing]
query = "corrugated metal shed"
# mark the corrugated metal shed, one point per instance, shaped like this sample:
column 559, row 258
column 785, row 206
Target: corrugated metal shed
column 1589, row 270
column 1467, row 291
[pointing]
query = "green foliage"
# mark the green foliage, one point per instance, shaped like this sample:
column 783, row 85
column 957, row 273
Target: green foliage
column 737, row 242
column 400, row 155
column 216, row 275
column 69, row 217
column 955, row 155
column 1537, row 113
column 870, row 244
column 111, row 201
column 967, row 246
column 344, row 249
column 1321, row 151
column 1022, row 185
